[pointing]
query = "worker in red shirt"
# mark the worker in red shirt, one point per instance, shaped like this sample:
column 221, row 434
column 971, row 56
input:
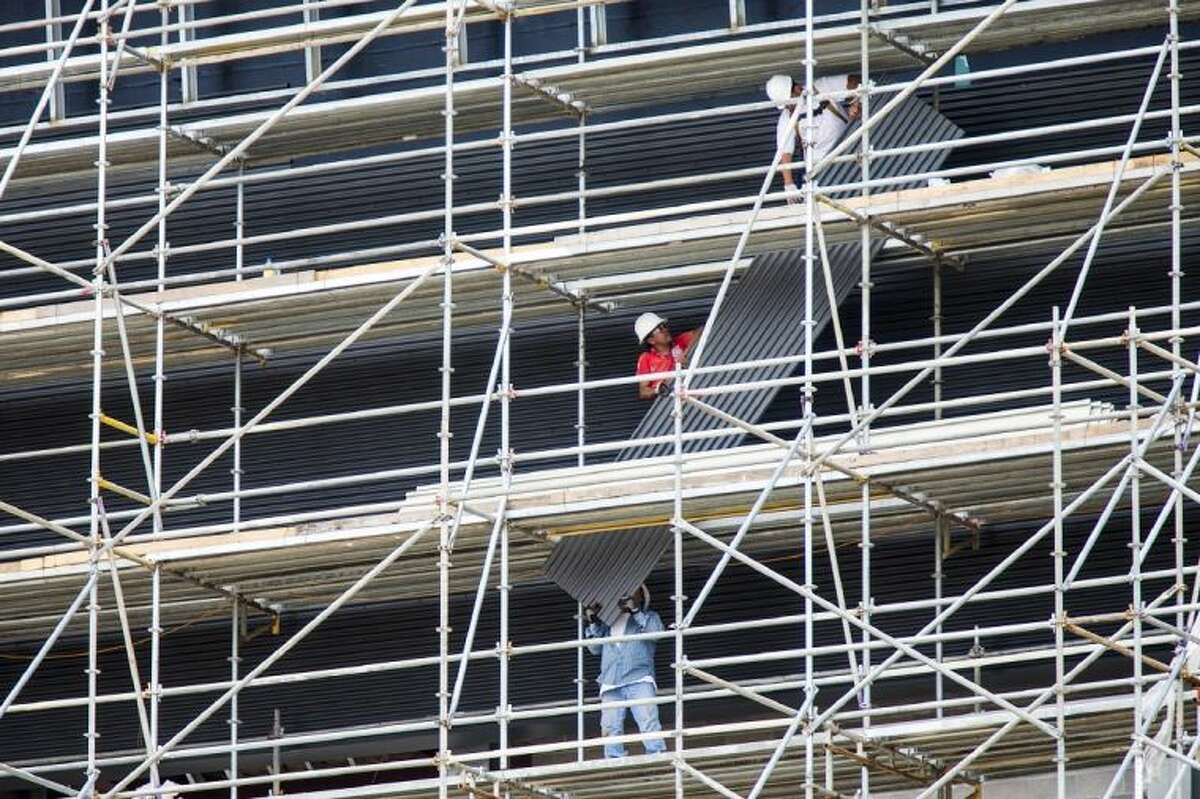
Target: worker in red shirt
column 662, row 351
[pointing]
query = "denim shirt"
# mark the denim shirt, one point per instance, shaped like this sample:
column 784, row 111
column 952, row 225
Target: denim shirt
column 629, row 661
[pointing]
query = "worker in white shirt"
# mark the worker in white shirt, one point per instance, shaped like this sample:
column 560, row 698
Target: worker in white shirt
column 831, row 117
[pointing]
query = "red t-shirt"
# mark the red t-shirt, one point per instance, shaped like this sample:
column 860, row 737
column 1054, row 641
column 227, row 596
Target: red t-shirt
column 652, row 360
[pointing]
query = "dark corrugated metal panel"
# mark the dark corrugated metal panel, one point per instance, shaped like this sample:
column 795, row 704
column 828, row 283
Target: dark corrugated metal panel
column 763, row 318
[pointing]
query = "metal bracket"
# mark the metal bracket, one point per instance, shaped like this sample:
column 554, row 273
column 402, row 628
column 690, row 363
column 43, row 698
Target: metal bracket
column 272, row 627
column 220, row 335
column 546, row 280
column 157, row 64
column 910, row 47
column 205, row 143
column 498, row 7
column 470, row 776
column 563, row 100
column 550, row 282
column 906, row 762
column 894, row 231
column 949, row 548
column 217, row 335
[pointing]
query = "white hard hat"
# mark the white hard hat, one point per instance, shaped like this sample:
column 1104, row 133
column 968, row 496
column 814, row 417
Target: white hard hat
column 779, row 89
column 646, row 324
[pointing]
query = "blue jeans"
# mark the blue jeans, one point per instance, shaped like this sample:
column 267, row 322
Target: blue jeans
column 612, row 720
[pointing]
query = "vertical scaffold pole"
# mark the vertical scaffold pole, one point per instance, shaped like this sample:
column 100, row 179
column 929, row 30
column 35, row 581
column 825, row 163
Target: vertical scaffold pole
column 937, row 342
column 581, row 308
column 188, row 84
column 810, row 204
column 98, row 288
column 579, row 683
column 1176, row 276
column 506, row 393
column 581, row 376
column 864, row 699
column 581, row 172
column 58, row 101
column 164, row 93
column 155, row 687
column 581, row 372
column 1060, row 710
column 239, row 223
column 677, row 596
column 941, row 529
column 236, row 471
column 234, row 661
column 1135, row 548
column 451, row 48
column 581, row 167
column 865, row 284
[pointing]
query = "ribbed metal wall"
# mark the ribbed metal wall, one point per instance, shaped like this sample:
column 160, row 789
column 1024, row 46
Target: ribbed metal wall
column 902, row 571
column 1124, row 275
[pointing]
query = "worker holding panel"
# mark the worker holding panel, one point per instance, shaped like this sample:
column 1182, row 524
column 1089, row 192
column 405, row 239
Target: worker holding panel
column 831, row 117
column 627, row 670
column 662, row 351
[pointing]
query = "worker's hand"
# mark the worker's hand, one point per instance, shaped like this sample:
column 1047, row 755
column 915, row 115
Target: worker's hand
column 663, row 389
column 794, row 197
column 854, row 111
column 628, row 605
column 591, row 613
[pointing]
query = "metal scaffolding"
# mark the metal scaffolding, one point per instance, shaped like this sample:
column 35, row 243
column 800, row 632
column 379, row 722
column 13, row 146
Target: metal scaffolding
column 939, row 471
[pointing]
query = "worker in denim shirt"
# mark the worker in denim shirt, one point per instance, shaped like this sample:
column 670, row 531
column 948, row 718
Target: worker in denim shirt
column 627, row 670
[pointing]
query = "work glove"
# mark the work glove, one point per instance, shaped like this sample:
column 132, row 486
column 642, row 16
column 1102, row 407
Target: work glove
column 663, row 389
column 591, row 613
column 795, row 197
column 628, row 605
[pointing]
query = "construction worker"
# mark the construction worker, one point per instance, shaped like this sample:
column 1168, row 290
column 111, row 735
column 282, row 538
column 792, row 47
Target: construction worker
column 662, row 351
column 830, row 120
column 627, row 670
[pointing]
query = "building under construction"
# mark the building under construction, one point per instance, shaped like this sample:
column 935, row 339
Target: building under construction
column 321, row 439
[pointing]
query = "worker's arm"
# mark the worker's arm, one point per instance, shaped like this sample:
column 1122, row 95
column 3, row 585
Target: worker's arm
column 644, row 621
column 687, row 352
column 596, row 629
column 854, row 111
column 648, row 389
column 789, row 181
column 785, row 141
column 785, row 161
